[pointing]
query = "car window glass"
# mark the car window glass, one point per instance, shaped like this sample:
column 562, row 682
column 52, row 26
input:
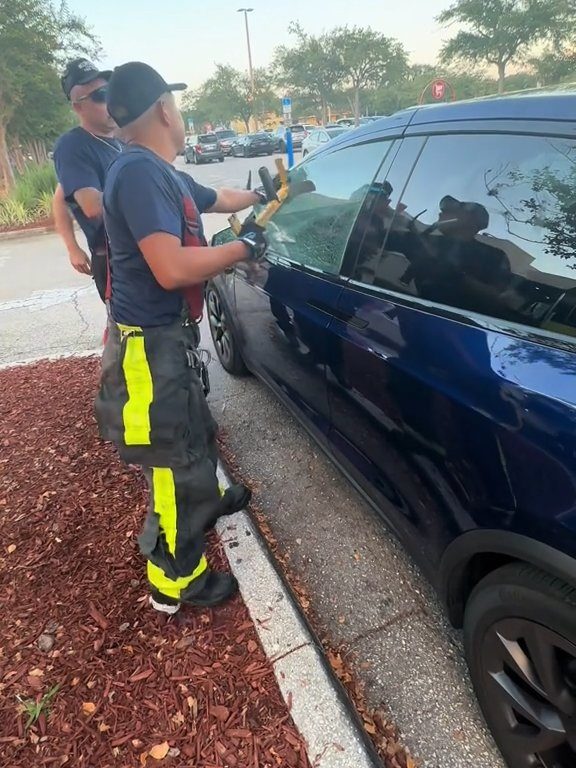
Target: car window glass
column 313, row 227
column 487, row 224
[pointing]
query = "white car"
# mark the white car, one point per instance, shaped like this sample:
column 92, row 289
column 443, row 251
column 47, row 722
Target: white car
column 319, row 137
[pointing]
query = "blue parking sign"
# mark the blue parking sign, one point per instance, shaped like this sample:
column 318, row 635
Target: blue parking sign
column 286, row 102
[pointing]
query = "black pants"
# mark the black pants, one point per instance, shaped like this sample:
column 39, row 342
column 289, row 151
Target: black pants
column 151, row 405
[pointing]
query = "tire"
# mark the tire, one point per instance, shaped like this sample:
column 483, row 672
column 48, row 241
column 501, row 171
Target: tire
column 269, row 154
column 223, row 336
column 246, row 153
column 282, row 147
column 220, row 159
column 520, row 643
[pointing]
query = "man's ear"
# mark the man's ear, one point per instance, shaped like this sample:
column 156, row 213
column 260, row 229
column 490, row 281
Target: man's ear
column 164, row 111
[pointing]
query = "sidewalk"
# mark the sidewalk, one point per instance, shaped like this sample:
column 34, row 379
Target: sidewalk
column 89, row 674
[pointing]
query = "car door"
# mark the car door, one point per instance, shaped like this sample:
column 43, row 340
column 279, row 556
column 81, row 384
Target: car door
column 452, row 392
column 284, row 303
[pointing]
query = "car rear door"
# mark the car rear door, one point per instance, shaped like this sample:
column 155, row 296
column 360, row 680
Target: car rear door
column 284, row 303
column 451, row 390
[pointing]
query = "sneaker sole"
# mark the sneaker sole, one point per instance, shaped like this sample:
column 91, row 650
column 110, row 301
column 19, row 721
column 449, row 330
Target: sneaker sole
column 163, row 608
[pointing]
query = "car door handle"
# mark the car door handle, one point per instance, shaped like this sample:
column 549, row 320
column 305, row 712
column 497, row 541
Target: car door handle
column 338, row 314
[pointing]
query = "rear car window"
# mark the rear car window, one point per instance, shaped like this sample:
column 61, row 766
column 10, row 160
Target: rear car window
column 208, row 138
column 225, row 134
column 298, row 128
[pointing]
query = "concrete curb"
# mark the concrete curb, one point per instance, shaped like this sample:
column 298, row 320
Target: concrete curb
column 48, row 358
column 23, row 234
column 310, row 690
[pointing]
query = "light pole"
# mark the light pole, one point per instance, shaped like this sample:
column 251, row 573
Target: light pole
column 246, row 11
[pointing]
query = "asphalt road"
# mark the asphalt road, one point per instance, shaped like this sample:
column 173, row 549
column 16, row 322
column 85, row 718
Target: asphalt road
column 366, row 592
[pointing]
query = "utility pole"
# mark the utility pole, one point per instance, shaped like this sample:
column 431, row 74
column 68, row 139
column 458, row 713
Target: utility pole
column 246, row 11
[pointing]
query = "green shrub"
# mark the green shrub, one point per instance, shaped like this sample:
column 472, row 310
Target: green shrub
column 31, row 197
column 13, row 213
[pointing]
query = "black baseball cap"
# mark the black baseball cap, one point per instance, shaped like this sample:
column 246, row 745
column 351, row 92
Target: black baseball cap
column 81, row 72
column 475, row 210
column 133, row 88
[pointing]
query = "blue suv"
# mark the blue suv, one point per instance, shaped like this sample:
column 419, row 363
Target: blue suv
column 417, row 311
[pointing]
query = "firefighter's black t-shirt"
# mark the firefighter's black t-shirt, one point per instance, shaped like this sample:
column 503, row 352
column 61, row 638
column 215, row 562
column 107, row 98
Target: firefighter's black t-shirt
column 144, row 195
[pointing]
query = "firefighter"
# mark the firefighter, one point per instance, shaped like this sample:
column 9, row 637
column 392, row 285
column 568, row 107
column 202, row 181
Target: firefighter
column 81, row 157
column 150, row 402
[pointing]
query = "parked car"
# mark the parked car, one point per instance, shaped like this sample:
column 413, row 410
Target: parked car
column 299, row 133
column 319, row 137
column 203, row 148
column 417, row 311
column 226, row 138
column 253, row 144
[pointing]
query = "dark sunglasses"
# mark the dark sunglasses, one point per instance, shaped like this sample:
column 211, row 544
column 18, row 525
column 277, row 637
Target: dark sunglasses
column 98, row 96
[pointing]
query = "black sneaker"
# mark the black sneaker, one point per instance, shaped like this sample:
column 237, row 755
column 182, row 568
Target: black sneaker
column 234, row 499
column 212, row 589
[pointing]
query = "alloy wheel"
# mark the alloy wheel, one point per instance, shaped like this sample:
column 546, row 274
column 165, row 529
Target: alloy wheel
column 530, row 682
column 219, row 328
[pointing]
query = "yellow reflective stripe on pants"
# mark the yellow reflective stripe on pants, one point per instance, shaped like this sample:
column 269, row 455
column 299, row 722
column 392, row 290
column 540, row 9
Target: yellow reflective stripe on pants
column 136, row 411
column 164, row 492
column 173, row 587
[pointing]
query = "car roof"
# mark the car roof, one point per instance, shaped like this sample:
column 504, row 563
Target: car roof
column 557, row 104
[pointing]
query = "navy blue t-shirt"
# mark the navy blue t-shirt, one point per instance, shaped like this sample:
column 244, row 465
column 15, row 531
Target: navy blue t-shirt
column 144, row 194
column 81, row 161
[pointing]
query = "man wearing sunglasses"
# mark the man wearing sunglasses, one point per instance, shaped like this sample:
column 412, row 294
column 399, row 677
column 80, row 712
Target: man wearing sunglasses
column 82, row 156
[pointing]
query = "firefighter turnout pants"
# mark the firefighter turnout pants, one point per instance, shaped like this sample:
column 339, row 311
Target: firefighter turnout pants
column 152, row 406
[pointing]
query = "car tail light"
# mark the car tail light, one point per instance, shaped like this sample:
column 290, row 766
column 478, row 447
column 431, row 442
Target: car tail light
column 198, row 147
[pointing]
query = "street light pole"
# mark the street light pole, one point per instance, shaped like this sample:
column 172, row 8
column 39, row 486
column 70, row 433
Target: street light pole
column 246, row 11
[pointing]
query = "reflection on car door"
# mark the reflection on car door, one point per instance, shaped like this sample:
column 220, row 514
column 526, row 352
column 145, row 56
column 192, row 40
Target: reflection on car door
column 441, row 405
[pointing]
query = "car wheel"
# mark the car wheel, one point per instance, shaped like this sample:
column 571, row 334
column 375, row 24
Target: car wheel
column 220, row 329
column 282, row 146
column 520, row 641
column 246, row 153
column 270, row 153
column 220, row 159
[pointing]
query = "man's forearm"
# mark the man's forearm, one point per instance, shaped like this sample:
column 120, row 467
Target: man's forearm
column 63, row 220
column 234, row 200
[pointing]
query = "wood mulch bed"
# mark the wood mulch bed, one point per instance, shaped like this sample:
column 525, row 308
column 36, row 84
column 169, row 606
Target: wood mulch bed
column 112, row 683
column 40, row 224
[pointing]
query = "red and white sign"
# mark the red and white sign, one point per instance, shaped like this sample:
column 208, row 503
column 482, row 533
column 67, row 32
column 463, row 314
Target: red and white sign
column 439, row 89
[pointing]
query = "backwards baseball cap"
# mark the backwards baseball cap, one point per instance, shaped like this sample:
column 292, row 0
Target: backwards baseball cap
column 81, row 72
column 133, row 88
column 476, row 211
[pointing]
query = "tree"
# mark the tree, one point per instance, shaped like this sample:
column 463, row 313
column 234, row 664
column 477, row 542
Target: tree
column 34, row 38
column 227, row 96
column 501, row 31
column 554, row 66
column 310, row 70
column 367, row 59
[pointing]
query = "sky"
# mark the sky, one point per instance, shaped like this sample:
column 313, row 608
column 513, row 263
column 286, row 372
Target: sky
column 184, row 40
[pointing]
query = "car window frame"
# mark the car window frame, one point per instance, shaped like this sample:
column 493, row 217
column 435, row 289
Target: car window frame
column 535, row 128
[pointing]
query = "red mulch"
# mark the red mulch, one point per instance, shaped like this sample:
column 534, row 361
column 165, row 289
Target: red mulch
column 39, row 224
column 131, row 681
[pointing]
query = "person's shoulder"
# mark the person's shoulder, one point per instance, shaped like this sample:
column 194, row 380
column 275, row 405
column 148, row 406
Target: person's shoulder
column 136, row 169
column 72, row 139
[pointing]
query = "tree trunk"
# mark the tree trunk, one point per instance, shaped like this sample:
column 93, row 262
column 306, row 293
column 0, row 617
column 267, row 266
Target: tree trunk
column 6, row 172
column 324, row 111
column 247, row 123
column 501, row 76
column 357, row 106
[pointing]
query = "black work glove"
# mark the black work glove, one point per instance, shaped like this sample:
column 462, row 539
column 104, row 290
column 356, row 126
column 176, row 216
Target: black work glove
column 262, row 196
column 252, row 235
